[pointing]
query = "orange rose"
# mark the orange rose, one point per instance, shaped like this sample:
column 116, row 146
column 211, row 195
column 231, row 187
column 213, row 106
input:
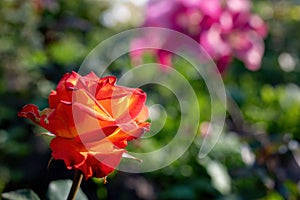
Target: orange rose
column 92, row 119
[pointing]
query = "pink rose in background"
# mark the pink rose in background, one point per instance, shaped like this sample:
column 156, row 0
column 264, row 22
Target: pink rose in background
column 224, row 28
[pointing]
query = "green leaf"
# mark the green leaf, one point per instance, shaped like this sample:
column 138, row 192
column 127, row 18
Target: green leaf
column 59, row 190
column 22, row 194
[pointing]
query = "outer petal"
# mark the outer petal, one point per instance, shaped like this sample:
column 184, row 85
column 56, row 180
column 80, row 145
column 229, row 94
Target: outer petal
column 30, row 111
column 100, row 165
column 91, row 77
column 44, row 119
column 53, row 99
column 91, row 163
column 60, row 121
column 71, row 152
column 66, row 86
column 143, row 115
column 62, row 92
column 71, row 81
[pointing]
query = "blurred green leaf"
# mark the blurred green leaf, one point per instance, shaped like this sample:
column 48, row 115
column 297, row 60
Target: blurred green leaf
column 273, row 196
column 59, row 190
column 22, row 194
column 66, row 51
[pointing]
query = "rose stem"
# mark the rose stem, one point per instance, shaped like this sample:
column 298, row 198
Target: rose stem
column 76, row 185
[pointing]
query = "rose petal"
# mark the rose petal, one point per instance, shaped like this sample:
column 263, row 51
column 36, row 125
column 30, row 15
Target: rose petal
column 72, row 153
column 53, row 99
column 30, row 111
column 130, row 107
column 120, row 137
column 143, row 115
column 60, row 121
column 91, row 163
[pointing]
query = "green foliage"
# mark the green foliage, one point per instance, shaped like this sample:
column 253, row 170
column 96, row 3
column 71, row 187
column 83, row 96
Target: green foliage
column 22, row 194
column 59, row 190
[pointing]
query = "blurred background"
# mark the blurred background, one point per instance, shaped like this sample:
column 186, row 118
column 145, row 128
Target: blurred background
column 257, row 156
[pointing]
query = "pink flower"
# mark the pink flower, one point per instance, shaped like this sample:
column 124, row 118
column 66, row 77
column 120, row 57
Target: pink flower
column 224, row 28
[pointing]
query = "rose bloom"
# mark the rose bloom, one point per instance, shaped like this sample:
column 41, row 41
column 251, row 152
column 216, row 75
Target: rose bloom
column 92, row 119
column 224, row 28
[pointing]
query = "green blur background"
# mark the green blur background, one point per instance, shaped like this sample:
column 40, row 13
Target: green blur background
column 257, row 156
